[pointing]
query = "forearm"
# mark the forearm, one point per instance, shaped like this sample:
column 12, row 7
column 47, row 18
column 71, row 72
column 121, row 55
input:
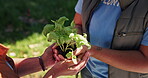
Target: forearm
column 27, row 66
column 127, row 60
column 78, row 23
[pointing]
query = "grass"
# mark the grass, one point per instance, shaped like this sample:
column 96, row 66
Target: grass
column 31, row 46
column 21, row 24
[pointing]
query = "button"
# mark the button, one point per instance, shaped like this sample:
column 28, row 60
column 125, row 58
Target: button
column 122, row 34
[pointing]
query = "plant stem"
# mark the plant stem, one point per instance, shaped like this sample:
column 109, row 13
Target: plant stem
column 70, row 49
column 63, row 47
column 72, row 44
column 66, row 47
column 60, row 46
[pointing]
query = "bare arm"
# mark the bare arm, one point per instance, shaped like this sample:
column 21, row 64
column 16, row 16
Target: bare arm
column 136, row 61
column 133, row 60
column 27, row 66
column 78, row 22
column 30, row 65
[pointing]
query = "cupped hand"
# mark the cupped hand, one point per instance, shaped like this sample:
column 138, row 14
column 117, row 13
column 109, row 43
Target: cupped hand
column 49, row 56
column 67, row 67
column 81, row 51
column 78, row 52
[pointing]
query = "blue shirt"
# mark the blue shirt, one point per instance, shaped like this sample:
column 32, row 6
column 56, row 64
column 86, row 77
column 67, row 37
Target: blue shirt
column 145, row 38
column 101, row 30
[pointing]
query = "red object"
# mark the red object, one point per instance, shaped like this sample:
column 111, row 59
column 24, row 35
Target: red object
column 3, row 49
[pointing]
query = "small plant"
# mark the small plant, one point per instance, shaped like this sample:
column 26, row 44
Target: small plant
column 66, row 37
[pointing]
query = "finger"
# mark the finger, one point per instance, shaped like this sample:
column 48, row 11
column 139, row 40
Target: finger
column 78, row 60
column 86, row 58
column 49, row 48
column 80, row 56
column 54, row 46
column 69, row 63
column 80, row 50
column 56, row 57
column 55, row 51
column 82, row 63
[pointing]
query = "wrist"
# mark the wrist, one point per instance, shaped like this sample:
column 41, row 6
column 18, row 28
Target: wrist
column 42, row 63
column 79, row 29
column 94, row 50
column 47, row 61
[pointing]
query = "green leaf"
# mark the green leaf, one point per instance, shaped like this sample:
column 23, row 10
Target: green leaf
column 59, row 23
column 62, row 20
column 80, row 40
column 62, row 40
column 69, row 55
column 67, row 30
column 52, row 36
column 74, row 59
column 58, row 27
column 72, row 24
column 48, row 28
column 85, row 35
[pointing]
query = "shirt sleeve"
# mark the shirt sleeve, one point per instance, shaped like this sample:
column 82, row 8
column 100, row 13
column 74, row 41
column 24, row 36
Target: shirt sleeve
column 3, row 49
column 78, row 7
column 145, row 38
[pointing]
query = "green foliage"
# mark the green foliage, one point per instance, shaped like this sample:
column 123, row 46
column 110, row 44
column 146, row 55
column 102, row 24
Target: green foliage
column 48, row 28
column 21, row 24
column 21, row 18
column 61, row 34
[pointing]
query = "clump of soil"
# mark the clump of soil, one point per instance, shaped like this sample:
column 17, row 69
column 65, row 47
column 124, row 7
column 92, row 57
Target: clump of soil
column 67, row 51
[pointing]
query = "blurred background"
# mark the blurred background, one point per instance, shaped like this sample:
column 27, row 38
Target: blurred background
column 21, row 24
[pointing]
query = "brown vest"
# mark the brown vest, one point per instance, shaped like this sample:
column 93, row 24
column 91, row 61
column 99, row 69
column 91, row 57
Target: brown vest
column 128, row 32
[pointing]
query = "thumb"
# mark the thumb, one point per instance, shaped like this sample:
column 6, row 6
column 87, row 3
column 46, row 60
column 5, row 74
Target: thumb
column 80, row 50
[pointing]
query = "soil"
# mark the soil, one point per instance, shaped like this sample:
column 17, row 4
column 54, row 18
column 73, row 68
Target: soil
column 67, row 51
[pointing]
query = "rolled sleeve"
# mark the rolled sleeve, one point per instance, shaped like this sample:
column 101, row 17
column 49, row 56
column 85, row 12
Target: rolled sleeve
column 3, row 49
column 78, row 7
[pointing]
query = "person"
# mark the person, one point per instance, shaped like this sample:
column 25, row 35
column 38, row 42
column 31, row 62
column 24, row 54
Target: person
column 118, row 33
column 15, row 68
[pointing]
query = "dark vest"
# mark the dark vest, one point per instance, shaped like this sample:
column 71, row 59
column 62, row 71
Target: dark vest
column 129, row 30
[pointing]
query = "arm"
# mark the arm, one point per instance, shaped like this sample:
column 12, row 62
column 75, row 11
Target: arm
column 24, row 65
column 78, row 22
column 136, row 61
column 31, row 65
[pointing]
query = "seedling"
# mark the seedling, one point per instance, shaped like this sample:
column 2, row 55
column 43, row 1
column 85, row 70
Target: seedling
column 66, row 37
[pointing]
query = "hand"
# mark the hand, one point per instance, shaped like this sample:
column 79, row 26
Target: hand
column 81, row 51
column 67, row 67
column 48, row 56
